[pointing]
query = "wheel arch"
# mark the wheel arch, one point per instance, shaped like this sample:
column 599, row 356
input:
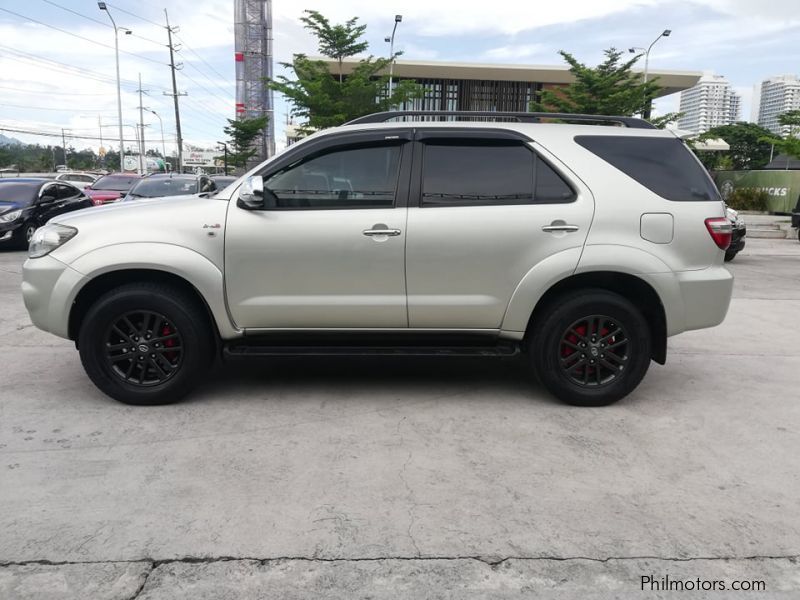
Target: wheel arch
column 109, row 280
column 636, row 290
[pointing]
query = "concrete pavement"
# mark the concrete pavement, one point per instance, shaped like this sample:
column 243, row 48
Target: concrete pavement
column 408, row 478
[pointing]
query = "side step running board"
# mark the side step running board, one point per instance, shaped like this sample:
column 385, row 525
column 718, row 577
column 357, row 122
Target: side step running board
column 239, row 350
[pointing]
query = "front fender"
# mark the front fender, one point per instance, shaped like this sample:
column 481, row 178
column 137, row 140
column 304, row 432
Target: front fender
column 187, row 264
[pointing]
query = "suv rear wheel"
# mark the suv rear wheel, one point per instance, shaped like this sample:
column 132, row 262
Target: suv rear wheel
column 146, row 343
column 590, row 348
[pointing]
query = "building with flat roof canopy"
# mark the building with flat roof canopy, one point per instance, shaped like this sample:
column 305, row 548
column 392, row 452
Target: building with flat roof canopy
column 495, row 87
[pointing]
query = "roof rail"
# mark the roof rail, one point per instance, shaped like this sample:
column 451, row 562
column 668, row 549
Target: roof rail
column 522, row 117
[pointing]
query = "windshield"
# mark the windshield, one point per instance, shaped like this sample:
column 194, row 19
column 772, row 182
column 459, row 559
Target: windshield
column 164, row 186
column 20, row 193
column 115, row 183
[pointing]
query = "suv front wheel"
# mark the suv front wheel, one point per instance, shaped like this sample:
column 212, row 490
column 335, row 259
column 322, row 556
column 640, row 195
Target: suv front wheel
column 146, row 343
column 590, row 348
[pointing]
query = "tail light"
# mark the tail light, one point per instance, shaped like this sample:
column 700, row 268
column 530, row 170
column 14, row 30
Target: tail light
column 97, row 202
column 721, row 231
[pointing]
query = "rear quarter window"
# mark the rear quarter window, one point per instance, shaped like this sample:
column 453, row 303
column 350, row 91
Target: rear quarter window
column 665, row 166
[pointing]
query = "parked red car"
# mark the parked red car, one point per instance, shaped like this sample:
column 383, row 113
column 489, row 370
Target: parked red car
column 111, row 187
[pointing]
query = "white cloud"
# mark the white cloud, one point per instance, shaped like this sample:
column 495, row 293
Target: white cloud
column 515, row 52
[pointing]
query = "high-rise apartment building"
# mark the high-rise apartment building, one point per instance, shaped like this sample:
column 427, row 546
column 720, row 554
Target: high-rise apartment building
column 710, row 103
column 778, row 95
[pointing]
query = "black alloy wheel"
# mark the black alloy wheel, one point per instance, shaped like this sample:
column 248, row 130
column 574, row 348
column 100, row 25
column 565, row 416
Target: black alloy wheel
column 594, row 351
column 147, row 343
column 144, row 348
column 590, row 347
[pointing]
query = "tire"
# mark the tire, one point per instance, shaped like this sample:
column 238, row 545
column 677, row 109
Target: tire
column 22, row 236
column 168, row 365
column 555, row 348
column 729, row 256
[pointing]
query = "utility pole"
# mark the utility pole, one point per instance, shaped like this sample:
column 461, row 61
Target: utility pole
column 142, row 159
column 175, row 94
column 225, row 147
column 64, row 146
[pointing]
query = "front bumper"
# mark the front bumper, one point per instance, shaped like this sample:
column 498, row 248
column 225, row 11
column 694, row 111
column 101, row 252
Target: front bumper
column 48, row 289
column 738, row 239
column 7, row 230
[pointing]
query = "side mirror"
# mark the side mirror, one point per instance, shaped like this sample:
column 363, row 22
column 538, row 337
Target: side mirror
column 254, row 196
column 251, row 194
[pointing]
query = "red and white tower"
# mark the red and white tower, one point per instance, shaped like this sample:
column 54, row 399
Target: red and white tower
column 253, row 55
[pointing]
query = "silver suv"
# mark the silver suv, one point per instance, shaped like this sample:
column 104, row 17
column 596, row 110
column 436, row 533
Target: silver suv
column 583, row 245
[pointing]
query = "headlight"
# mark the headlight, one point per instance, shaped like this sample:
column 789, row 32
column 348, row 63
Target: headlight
column 48, row 238
column 11, row 216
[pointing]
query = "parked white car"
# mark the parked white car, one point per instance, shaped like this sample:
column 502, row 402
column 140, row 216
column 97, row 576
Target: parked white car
column 581, row 245
column 79, row 180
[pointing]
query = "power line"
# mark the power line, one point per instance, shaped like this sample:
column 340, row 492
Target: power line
column 80, row 37
column 70, row 69
column 115, row 7
column 204, row 88
column 28, row 107
column 230, row 98
column 49, row 92
column 103, row 23
column 189, row 48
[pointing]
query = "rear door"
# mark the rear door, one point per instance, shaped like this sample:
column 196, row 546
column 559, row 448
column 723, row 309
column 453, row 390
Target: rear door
column 484, row 210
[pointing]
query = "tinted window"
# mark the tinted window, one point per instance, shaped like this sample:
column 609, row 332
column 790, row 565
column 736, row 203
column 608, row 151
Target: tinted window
column 492, row 172
column 364, row 177
column 550, row 187
column 66, row 191
column 115, row 183
column 664, row 166
column 467, row 173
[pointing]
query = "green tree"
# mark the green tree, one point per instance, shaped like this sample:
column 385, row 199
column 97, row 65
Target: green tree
column 322, row 101
column 336, row 41
column 791, row 143
column 749, row 150
column 241, row 135
column 610, row 88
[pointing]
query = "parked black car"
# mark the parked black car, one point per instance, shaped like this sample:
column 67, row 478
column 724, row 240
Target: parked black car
column 796, row 217
column 26, row 204
column 170, row 184
column 738, row 234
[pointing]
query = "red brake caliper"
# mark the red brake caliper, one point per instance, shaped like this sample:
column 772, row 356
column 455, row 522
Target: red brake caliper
column 169, row 343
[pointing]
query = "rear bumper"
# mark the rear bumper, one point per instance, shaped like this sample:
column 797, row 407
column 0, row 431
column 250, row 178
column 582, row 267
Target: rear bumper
column 706, row 296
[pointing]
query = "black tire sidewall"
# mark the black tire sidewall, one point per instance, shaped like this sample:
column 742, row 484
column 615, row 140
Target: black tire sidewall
column 176, row 306
column 545, row 346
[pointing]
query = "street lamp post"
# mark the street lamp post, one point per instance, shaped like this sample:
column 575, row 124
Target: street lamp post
column 665, row 33
column 163, row 146
column 103, row 6
column 225, row 148
column 390, row 40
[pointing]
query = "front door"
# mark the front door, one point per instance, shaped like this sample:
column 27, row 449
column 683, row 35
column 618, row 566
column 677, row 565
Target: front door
column 330, row 253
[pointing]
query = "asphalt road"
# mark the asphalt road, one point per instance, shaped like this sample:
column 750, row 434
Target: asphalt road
column 409, row 478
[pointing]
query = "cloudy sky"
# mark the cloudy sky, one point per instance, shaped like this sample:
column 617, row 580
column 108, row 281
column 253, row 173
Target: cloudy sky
column 57, row 57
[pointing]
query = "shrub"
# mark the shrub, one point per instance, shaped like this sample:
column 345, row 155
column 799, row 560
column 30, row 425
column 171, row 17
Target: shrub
column 748, row 199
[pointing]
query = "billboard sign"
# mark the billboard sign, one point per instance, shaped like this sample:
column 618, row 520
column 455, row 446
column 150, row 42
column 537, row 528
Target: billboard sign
column 782, row 187
column 196, row 157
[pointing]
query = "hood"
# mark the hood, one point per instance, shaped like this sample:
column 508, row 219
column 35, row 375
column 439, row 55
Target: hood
column 175, row 220
column 170, row 211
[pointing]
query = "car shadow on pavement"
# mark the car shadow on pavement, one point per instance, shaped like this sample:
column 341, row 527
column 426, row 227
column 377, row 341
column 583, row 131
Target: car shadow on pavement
column 374, row 376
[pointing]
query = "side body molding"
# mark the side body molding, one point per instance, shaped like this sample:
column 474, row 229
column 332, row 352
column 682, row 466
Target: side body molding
column 191, row 266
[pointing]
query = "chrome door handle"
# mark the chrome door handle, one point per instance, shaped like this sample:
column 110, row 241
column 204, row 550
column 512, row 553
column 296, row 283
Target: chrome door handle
column 391, row 232
column 565, row 227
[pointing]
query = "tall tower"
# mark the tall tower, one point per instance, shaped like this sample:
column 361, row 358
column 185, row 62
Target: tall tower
column 253, row 55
